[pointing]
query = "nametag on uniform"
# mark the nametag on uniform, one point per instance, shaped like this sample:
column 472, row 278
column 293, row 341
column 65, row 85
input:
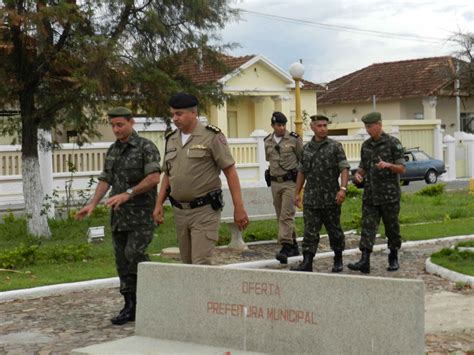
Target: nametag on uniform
column 198, row 146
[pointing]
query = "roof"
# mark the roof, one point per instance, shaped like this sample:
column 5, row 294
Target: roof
column 206, row 73
column 393, row 80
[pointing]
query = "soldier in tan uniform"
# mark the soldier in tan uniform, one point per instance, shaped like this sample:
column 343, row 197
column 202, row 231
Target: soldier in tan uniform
column 195, row 155
column 283, row 152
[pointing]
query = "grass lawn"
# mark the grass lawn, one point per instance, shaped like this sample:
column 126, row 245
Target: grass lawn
column 459, row 261
column 28, row 262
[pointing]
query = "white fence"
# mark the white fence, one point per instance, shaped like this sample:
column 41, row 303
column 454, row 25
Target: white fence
column 458, row 153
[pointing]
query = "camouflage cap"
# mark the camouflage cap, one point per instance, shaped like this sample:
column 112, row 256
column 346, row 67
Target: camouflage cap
column 372, row 117
column 278, row 117
column 120, row 112
column 183, row 100
column 319, row 118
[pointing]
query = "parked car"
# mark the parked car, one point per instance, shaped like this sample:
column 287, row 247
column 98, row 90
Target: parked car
column 419, row 166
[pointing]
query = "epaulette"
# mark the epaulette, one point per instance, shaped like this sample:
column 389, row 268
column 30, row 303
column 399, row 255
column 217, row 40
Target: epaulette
column 294, row 134
column 267, row 137
column 167, row 135
column 213, row 128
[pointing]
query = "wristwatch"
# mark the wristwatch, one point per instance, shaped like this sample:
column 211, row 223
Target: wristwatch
column 343, row 188
column 129, row 191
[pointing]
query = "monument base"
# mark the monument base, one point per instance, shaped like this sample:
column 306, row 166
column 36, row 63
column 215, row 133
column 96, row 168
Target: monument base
column 144, row 345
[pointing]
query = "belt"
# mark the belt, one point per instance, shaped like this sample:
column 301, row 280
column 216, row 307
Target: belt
column 200, row 201
column 283, row 178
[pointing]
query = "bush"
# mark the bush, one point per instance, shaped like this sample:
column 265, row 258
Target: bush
column 353, row 191
column 23, row 256
column 18, row 257
column 435, row 190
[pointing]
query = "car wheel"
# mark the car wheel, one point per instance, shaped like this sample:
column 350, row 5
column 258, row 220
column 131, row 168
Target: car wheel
column 431, row 177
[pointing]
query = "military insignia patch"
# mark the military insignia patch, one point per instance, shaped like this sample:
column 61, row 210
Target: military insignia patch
column 213, row 128
column 223, row 139
column 294, row 134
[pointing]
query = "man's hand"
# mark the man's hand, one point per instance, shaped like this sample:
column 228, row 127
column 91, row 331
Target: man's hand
column 358, row 178
column 158, row 214
column 383, row 165
column 297, row 200
column 240, row 218
column 116, row 201
column 85, row 211
column 340, row 197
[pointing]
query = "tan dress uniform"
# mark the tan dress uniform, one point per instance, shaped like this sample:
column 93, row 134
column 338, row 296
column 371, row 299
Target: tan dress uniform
column 283, row 158
column 193, row 170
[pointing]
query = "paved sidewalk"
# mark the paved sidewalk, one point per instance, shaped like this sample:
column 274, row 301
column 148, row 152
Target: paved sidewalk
column 58, row 324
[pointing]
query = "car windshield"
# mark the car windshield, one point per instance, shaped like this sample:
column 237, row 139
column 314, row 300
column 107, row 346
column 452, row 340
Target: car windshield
column 420, row 156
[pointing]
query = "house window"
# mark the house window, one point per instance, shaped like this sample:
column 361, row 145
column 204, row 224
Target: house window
column 467, row 122
column 418, row 116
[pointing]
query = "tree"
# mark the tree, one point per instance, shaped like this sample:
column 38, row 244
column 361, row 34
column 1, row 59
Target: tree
column 62, row 61
column 465, row 54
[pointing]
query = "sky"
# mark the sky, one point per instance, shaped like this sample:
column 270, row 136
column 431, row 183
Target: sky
column 337, row 37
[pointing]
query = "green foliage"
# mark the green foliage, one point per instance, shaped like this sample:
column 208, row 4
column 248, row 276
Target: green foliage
column 434, row 190
column 356, row 222
column 466, row 244
column 353, row 191
column 24, row 256
column 18, row 257
column 58, row 254
column 9, row 217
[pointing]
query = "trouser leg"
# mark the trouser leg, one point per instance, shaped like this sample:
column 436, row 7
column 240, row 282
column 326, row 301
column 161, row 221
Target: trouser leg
column 130, row 249
column 370, row 225
column 312, row 226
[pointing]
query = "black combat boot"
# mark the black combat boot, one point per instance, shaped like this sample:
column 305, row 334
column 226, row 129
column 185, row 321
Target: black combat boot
column 393, row 260
column 295, row 251
column 286, row 251
column 363, row 265
column 306, row 264
column 337, row 266
column 127, row 314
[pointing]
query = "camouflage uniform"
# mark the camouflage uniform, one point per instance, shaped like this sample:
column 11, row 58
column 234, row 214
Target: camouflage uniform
column 321, row 164
column 382, row 191
column 283, row 158
column 126, row 164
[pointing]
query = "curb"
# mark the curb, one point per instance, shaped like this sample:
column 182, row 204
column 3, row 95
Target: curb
column 454, row 276
column 53, row 290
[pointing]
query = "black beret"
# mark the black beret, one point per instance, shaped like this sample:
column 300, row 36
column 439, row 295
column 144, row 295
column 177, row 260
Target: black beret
column 120, row 112
column 372, row 117
column 319, row 118
column 279, row 117
column 183, row 100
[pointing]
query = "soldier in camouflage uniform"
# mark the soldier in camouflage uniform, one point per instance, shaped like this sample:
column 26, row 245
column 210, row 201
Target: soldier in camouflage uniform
column 195, row 155
column 322, row 163
column 381, row 164
column 132, row 168
column 283, row 152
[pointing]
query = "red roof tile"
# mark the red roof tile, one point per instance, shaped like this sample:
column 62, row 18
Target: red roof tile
column 309, row 85
column 205, row 73
column 392, row 80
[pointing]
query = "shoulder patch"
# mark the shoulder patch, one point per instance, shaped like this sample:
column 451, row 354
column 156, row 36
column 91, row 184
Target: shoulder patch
column 213, row 128
column 267, row 137
column 294, row 134
column 169, row 134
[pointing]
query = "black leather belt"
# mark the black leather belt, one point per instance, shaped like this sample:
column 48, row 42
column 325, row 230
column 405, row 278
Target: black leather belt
column 283, row 178
column 200, row 201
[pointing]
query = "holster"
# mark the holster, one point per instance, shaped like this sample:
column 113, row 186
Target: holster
column 217, row 199
column 268, row 178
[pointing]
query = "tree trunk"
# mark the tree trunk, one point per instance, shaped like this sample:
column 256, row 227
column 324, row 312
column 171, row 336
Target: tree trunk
column 32, row 187
column 33, row 194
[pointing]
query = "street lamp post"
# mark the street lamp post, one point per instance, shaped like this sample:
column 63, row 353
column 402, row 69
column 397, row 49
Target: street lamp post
column 296, row 72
